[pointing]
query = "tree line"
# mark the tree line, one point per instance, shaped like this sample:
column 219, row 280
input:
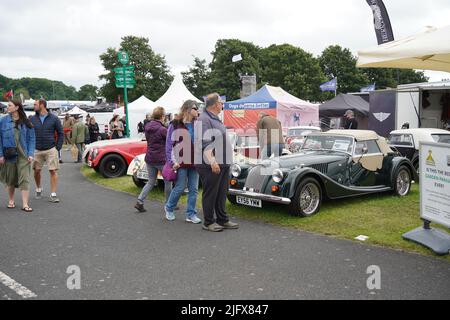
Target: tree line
column 292, row 68
column 48, row 89
column 296, row 70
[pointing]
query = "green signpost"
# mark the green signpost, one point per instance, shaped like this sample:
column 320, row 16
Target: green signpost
column 125, row 79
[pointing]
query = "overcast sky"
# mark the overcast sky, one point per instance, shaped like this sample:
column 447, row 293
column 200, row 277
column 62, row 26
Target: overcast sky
column 62, row 40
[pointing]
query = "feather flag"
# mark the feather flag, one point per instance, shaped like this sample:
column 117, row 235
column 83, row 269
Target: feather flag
column 382, row 24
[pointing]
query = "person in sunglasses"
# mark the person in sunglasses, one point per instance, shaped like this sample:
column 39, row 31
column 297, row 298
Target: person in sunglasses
column 180, row 155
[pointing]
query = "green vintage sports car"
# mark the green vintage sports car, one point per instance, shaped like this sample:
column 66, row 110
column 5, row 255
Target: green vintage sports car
column 331, row 165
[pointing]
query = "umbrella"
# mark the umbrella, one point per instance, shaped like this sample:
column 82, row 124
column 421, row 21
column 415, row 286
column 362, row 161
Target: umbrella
column 429, row 50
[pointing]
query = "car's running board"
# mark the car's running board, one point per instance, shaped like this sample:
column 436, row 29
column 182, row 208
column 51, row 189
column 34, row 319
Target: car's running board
column 371, row 189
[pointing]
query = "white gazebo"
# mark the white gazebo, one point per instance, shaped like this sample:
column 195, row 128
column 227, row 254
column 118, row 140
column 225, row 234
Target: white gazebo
column 76, row 111
column 136, row 113
column 175, row 96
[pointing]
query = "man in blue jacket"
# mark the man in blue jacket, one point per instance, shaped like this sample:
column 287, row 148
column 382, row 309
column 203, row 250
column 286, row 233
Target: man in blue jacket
column 49, row 140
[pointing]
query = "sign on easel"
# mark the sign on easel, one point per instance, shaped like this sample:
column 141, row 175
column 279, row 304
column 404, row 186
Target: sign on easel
column 434, row 197
column 435, row 183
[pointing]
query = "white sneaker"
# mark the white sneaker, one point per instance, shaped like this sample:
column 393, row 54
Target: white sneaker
column 169, row 215
column 193, row 219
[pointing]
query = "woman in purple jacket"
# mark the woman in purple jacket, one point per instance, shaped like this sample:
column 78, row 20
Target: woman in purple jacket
column 180, row 155
column 155, row 133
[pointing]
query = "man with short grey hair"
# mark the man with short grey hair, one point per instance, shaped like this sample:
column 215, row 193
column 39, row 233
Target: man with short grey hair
column 214, row 167
column 351, row 121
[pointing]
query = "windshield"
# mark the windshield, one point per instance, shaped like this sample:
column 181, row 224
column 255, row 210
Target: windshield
column 400, row 139
column 247, row 141
column 334, row 143
column 233, row 137
column 299, row 132
column 441, row 138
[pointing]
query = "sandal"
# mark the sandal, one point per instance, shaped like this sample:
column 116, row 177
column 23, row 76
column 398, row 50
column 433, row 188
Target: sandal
column 11, row 205
column 27, row 209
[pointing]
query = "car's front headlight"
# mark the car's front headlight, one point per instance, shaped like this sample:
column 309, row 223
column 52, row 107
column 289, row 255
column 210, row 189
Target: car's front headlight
column 236, row 170
column 277, row 175
column 94, row 153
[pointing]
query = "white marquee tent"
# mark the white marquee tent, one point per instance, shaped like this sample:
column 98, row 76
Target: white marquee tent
column 76, row 110
column 175, row 96
column 136, row 113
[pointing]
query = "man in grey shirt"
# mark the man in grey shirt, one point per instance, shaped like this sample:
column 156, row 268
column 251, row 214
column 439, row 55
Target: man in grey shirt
column 213, row 164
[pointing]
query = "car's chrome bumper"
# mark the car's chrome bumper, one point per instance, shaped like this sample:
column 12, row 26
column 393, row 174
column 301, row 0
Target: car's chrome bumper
column 261, row 196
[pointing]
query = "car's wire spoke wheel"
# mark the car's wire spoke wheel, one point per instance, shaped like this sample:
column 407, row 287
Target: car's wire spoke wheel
column 309, row 198
column 403, row 182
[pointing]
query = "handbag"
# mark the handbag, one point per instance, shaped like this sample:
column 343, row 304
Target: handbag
column 74, row 152
column 10, row 153
column 168, row 173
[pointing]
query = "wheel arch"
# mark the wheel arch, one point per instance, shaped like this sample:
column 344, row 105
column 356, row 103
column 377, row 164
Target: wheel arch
column 307, row 173
column 113, row 153
column 397, row 164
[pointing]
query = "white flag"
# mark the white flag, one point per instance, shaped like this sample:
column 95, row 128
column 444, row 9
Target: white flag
column 237, row 58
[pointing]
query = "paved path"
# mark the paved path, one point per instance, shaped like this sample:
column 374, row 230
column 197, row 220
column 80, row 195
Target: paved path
column 124, row 255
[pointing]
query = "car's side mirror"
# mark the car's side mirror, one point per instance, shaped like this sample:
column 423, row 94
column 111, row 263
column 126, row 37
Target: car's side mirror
column 365, row 150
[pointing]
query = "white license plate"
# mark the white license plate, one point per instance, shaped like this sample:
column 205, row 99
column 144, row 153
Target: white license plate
column 142, row 175
column 90, row 163
column 249, row 202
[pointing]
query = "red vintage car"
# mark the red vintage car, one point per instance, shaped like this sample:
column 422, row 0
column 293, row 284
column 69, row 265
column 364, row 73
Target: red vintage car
column 112, row 161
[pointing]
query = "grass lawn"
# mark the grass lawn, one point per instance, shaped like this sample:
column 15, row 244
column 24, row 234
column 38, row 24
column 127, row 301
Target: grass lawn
column 381, row 217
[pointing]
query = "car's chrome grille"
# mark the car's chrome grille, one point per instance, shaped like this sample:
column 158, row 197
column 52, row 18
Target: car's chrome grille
column 322, row 167
column 255, row 180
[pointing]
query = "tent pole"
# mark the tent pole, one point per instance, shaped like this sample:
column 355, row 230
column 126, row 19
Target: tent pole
column 335, row 89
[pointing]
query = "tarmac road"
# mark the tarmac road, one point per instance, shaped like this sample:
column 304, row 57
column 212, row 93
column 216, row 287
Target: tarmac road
column 125, row 255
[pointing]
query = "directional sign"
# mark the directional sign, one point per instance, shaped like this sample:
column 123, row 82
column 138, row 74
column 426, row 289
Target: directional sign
column 128, row 74
column 128, row 80
column 122, row 85
column 127, row 68
column 123, row 57
column 120, row 77
column 125, row 79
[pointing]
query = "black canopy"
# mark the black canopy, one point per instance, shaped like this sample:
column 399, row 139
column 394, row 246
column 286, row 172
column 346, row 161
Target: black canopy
column 343, row 102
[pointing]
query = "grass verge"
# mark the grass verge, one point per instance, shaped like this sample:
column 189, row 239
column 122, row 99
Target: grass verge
column 381, row 217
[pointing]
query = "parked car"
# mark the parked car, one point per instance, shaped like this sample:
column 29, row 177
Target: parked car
column 102, row 143
column 295, row 136
column 331, row 165
column 407, row 141
column 113, row 160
